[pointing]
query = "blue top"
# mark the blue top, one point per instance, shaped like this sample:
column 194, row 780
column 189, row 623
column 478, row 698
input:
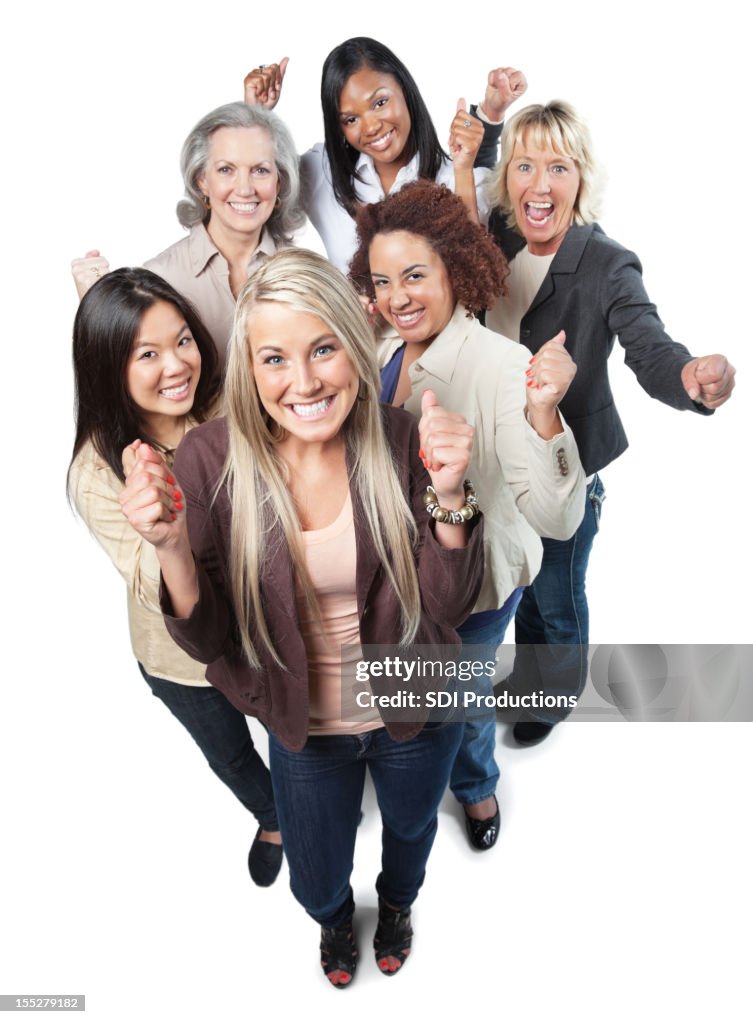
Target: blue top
column 390, row 374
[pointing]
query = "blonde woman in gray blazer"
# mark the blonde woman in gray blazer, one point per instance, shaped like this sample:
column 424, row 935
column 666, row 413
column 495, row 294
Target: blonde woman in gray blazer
column 566, row 274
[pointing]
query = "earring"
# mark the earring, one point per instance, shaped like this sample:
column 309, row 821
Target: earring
column 206, row 199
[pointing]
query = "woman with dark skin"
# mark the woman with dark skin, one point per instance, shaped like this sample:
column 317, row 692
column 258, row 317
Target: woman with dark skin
column 429, row 269
column 378, row 135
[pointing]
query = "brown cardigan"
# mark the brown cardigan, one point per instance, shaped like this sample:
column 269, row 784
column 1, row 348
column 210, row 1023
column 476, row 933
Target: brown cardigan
column 449, row 580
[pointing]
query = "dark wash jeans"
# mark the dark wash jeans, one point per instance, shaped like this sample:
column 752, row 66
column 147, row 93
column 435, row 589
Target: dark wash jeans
column 318, row 794
column 221, row 733
column 551, row 623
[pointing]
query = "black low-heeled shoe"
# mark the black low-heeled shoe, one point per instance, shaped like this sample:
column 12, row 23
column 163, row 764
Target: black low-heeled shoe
column 528, row 733
column 392, row 938
column 264, row 860
column 483, row 833
column 339, row 954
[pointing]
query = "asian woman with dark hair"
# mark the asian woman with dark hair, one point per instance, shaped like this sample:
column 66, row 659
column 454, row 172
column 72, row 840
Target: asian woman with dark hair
column 145, row 366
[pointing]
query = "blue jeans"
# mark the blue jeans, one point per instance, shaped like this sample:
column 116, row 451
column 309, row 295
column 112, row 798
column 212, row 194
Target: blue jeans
column 475, row 773
column 551, row 624
column 318, row 793
column 221, row 733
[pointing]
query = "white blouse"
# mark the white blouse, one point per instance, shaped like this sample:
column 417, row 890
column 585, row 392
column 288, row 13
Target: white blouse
column 334, row 224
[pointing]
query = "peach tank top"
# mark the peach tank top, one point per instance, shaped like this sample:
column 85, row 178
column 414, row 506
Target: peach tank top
column 331, row 562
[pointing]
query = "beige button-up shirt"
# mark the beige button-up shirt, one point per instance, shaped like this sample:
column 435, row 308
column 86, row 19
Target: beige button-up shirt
column 527, row 487
column 196, row 268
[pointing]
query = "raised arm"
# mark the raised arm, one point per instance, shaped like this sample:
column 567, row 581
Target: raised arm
column 446, row 446
column 664, row 368
column 503, row 87
column 88, row 270
column 95, row 491
column 466, row 134
column 450, row 558
column 709, row 380
column 537, row 451
column 550, row 373
column 152, row 502
column 263, row 85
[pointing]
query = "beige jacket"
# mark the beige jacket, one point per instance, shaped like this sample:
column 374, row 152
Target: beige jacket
column 527, row 487
column 95, row 490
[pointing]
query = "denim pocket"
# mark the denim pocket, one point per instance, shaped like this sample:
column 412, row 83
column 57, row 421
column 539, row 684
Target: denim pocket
column 597, row 496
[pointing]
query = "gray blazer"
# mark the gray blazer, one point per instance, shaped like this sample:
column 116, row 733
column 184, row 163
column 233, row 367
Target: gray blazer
column 594, row 292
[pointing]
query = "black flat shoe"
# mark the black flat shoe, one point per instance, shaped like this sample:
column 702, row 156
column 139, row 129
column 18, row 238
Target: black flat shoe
column 483, row 834
column 264, row 860
column 392, row 938
column 339, row 954
column 527, row 734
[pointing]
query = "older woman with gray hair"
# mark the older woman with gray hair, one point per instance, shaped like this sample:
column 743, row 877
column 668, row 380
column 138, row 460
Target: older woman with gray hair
column 566, row 274
column 240, row 171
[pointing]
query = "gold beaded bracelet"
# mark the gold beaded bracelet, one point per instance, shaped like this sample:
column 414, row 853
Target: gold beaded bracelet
column 455, row 517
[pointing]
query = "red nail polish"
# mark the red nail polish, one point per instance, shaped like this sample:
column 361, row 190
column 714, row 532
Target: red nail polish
column 178, row 506
column 170, row 479
column 529, row 371
column 532, row 360
column 420, row 453
column 177, row 495
column 529, row 383
column 173, row 516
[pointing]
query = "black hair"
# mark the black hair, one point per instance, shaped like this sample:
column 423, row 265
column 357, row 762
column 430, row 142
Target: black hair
column 345, row 60
column 106, row 326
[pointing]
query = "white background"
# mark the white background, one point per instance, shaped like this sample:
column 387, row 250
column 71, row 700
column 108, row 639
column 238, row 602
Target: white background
column 619, row 889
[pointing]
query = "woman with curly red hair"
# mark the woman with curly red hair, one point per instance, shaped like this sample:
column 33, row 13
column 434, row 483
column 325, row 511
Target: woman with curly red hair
column 429, row 270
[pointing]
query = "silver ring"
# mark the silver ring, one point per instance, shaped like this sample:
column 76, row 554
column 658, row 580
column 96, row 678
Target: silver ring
column 466, row 123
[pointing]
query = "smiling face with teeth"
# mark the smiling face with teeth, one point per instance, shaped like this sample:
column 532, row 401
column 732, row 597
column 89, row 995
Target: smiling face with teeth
column 163, row 371
column 374, row 118
column 411, row 284
column 543, row 187
column 241, row 183
column 304, row 378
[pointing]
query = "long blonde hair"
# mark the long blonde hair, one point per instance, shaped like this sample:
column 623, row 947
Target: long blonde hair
column 256, row 474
